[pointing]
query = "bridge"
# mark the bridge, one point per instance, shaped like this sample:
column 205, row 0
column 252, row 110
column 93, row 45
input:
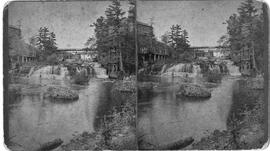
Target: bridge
column 215, row 51
column 83, row 53
column 75, row 50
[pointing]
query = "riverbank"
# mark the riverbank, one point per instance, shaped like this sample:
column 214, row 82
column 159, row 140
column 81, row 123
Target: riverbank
column 246, row 122
column 118, row 128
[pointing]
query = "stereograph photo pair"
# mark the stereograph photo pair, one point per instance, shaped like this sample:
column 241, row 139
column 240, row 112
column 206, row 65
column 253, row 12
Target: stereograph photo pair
column 135, row 75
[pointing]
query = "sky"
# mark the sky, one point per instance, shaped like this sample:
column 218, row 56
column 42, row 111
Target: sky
column 202, row 19
column 68, row 20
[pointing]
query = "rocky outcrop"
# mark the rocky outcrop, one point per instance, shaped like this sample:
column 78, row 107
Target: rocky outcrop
column 50, row 145
column 193, row 90
column 61, row 93
column 177, row 145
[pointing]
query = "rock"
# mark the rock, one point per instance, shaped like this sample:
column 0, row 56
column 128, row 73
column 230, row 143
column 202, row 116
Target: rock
column 210, row 84
column 51, row 145
column 177, row 145
column 193, row 90
column 61, row 93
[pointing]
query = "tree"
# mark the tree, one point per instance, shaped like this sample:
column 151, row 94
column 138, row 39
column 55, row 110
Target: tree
column 165, row 38
column 114, row 39
column 114, row 15
column 46, row 42
column 246, row 34
column 91, row 42
column 177, row 38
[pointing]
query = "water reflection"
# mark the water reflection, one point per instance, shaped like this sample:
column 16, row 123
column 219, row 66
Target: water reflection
column 164, row 118
column 34, row 120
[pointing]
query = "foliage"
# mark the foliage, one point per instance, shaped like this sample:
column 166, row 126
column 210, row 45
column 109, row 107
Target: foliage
column 113, row 39
column 177, row 38
column 119, row 119
column 186, row 56
column 52, row 59
column 213, row 76
column 80, row 78
column 45, row 41
column 165, row 38
column 245, row 34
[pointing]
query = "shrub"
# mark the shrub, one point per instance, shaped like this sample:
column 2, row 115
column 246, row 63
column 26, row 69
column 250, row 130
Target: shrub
column 186, row 57
column 212, row 76
column 113, row 124
column 80, row 78
column 52, row 59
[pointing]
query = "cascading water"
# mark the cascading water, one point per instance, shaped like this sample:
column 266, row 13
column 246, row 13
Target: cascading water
column 46, row 74
column 31, row 71
column 181, row 69
column 233, row 69
column 63, row 72
column 99, row 71
column 164, row 67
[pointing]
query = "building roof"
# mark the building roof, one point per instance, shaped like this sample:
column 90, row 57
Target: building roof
column 206, row 47
column 144, row 24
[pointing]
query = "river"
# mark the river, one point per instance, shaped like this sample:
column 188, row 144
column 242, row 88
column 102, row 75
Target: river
column 35, row 120
column 163, row 118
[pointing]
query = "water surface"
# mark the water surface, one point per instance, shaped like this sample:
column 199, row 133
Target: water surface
column 163, row 118
column 34, row 120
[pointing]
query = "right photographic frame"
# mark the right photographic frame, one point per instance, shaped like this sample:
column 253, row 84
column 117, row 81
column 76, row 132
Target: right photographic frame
column 202, row 74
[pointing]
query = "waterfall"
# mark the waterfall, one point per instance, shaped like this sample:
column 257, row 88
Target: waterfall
column 48, row 74
column 99, row 71
column 63, row 72
column 233, row 69
column 181, row 69
column 31, row 71
column 214, row 68
column 196, row 70
column 163, row 68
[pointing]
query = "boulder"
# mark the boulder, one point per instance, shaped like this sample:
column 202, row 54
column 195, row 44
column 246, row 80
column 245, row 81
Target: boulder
column 193, row 90
column 50, row 145
column 61, row 93
column 177, row 145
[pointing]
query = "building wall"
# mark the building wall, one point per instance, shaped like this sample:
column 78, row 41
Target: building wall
column 144, row 29
column 19, row 51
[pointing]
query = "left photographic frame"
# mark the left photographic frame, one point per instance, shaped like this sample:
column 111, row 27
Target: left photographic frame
column 70, row 75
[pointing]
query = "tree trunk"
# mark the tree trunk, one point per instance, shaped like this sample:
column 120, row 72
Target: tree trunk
column 253, row 59
column 121, row 58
